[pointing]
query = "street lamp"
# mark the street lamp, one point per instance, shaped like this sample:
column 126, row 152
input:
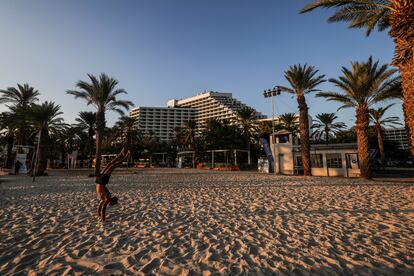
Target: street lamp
column 271, row 93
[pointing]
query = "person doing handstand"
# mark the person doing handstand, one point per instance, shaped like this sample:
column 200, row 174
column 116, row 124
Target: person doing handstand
column 103, row 178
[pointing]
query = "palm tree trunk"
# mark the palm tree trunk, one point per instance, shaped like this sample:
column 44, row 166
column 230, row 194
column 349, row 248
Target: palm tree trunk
column 401, row 21
column 407, row 76
column 42, row 154
column 9, row 160
column 304, row 135
column 361, row 129
column 380, row 143
column 63, row 155
column 327, row 135
column 100, row 128
column 23, row 133
column 90, row 134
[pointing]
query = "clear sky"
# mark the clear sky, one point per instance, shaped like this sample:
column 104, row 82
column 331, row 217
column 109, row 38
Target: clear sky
column 162, row 49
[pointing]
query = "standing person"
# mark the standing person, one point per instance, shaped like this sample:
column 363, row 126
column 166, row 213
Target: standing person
column 103, row 179
column 17, row 167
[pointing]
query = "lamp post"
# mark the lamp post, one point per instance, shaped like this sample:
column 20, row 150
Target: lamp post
column 271, row 93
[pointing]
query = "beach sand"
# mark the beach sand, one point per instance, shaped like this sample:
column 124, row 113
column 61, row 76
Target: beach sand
column 172, row 221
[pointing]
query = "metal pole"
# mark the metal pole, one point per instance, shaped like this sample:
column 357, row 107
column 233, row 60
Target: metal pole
column 273, row 134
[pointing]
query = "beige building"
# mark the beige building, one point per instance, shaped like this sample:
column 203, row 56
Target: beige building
column 209, row 105
column 161, row 121
column 326, row 160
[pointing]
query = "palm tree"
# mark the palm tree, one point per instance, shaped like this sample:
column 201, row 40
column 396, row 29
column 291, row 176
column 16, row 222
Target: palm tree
column 265, row 129
column 23, row 95
column 87, row 121
column 365, row 84
column 398, row 15
column 247, row 118
column 126, row 126
column 8, row 128
column 303, row 80
column 149, row 143
column 20, row 99
column 221, row 134
column 288, row 121
column 45, row 118
column 325, row 125
column 102, row 94
column 379, row 122
column 189, row 129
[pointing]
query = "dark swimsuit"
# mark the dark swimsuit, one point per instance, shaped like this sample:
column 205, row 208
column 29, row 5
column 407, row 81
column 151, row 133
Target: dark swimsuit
column 103, row 179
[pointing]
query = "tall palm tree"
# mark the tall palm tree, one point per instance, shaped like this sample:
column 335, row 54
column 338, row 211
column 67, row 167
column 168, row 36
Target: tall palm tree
column 20, row 98
column 45, row 118
column 303, row 80
column 87, row 121
column 379, row 122
column 102, row 94
column 325, row 125
column 398, row 16
column 247, row 118
column 365, row 84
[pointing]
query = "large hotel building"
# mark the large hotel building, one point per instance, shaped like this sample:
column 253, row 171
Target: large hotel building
column 207, row 105
column 161, row 121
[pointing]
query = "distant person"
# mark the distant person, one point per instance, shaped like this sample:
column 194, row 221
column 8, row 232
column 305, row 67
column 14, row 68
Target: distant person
column 103, row 179
column 17, row 167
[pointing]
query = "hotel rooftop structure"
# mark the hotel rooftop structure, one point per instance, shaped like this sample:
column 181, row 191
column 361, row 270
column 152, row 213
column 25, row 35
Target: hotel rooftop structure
column 161, row 121
column 212, row 105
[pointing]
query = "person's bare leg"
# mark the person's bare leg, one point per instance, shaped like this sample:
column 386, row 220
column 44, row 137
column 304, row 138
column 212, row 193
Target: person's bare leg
column 104, row 209
column 101, row 203
column 112, row 166
column 120, row 156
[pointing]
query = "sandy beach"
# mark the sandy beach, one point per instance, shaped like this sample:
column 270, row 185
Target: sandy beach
column 171, row 221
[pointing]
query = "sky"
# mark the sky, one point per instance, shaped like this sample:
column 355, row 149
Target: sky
column 164, row 49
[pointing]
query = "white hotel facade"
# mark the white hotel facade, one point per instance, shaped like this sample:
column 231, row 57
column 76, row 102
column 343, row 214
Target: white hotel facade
column 161, row 121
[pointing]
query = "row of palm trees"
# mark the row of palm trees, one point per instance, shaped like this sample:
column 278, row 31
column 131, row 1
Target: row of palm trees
column 398, row 17
column 45, row 120
column 360, row 87
column 26, row 120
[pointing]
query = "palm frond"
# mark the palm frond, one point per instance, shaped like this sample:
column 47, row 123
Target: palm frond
column 359, row 13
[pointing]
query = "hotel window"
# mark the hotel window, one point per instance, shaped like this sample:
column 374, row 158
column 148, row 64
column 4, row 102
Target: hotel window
column 334, row 160
column 316, row 160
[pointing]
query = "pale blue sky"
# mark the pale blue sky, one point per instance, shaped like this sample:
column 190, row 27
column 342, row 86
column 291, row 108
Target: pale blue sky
column 162, row 49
